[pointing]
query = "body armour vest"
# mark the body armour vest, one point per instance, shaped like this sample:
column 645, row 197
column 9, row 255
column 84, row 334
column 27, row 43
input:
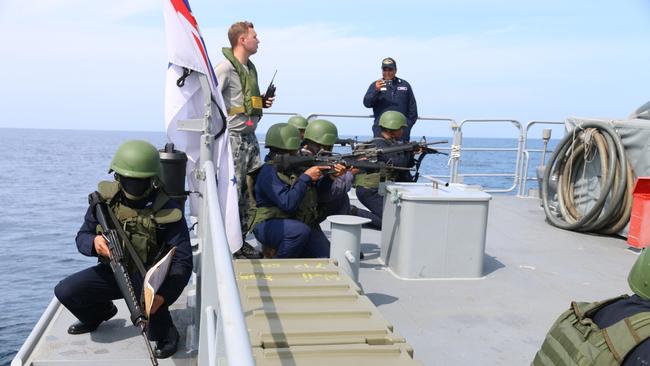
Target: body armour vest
column 574, row 339
column 307, row 212
column 372, row 180
column 140, row 224
column 251, row 91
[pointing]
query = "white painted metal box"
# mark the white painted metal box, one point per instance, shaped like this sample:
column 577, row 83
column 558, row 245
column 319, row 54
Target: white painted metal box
column 432, row 232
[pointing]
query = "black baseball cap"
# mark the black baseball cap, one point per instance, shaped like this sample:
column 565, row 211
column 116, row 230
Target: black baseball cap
column 388, row 63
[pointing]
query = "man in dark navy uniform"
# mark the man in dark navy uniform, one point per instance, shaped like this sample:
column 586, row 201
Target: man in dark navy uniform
column 154, row 223
column 391, row 94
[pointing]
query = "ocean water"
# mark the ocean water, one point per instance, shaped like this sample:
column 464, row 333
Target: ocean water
column 45, row 179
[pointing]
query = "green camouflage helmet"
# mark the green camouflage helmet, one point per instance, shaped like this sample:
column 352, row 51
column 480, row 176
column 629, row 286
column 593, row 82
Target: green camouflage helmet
column 639, row 277
column 283, row 136
column 298, row 122
column 392, row 120
column 136, row 159
column 322, row 132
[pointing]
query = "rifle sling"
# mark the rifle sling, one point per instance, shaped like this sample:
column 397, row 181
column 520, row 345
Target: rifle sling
column 127, row 243
column 418, row 162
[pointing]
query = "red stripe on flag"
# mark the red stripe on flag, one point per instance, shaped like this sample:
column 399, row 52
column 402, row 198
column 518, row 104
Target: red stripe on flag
column 199, row 44
column 180, row 7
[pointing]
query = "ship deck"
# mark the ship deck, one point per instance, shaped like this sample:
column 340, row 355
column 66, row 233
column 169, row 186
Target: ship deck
column 531, row 273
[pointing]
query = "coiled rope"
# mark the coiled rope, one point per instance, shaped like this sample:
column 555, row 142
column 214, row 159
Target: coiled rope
column 571, row 156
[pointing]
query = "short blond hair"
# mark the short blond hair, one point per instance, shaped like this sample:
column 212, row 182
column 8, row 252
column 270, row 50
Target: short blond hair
column 238, row 29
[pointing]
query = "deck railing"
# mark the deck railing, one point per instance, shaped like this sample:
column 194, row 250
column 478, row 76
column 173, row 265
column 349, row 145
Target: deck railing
column 526, row 152
column 220, row 304
column 218, row 308
column 456, row 174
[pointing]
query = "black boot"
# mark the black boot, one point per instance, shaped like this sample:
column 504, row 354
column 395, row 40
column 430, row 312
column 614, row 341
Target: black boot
column 168, row 346
column 247, row 252
column 81, row 328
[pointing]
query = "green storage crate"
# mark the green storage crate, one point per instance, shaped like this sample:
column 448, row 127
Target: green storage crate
column 310, row 312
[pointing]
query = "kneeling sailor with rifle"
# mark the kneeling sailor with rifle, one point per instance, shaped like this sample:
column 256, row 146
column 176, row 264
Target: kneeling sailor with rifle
column 319, row 139
column 392, row 125
column 285, row 215
column 130, row 225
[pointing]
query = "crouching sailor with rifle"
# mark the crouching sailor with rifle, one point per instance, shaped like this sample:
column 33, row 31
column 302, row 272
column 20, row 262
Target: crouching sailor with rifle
column 319, row 139
column 284, row 201
column 391, row 150
column 131, row 223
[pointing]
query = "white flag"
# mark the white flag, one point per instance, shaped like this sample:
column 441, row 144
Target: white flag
column 186, row 52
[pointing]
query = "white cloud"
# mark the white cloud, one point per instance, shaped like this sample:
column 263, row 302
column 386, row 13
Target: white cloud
column 108, row 75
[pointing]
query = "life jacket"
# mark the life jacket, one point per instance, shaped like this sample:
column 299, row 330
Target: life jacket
column 139, row 224
column 251, row 91
column 372, row 180
column 574, row 339
column 307, row 212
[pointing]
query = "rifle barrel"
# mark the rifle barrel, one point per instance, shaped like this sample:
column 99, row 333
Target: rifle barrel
column 152, row 356
column 409, row 146
column 398, row 148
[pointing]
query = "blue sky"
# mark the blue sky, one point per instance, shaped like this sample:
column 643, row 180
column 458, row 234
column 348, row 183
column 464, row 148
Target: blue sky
column 101, row 65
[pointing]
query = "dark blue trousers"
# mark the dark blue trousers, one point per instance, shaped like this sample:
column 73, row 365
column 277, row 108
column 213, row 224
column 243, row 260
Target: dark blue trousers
column 292, row 238
column 370, row 198
column 338, row 206
column 89, row 293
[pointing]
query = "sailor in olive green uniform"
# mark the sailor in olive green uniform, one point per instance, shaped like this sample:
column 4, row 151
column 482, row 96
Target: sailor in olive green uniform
column 300, row 123
column 154, row 224
column 392, row 125
column 285, row 218
column 609, row 332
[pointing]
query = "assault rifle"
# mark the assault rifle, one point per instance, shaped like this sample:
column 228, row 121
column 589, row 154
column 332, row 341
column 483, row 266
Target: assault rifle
column 286, row 162
column 370, row 150
column 115, row 236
